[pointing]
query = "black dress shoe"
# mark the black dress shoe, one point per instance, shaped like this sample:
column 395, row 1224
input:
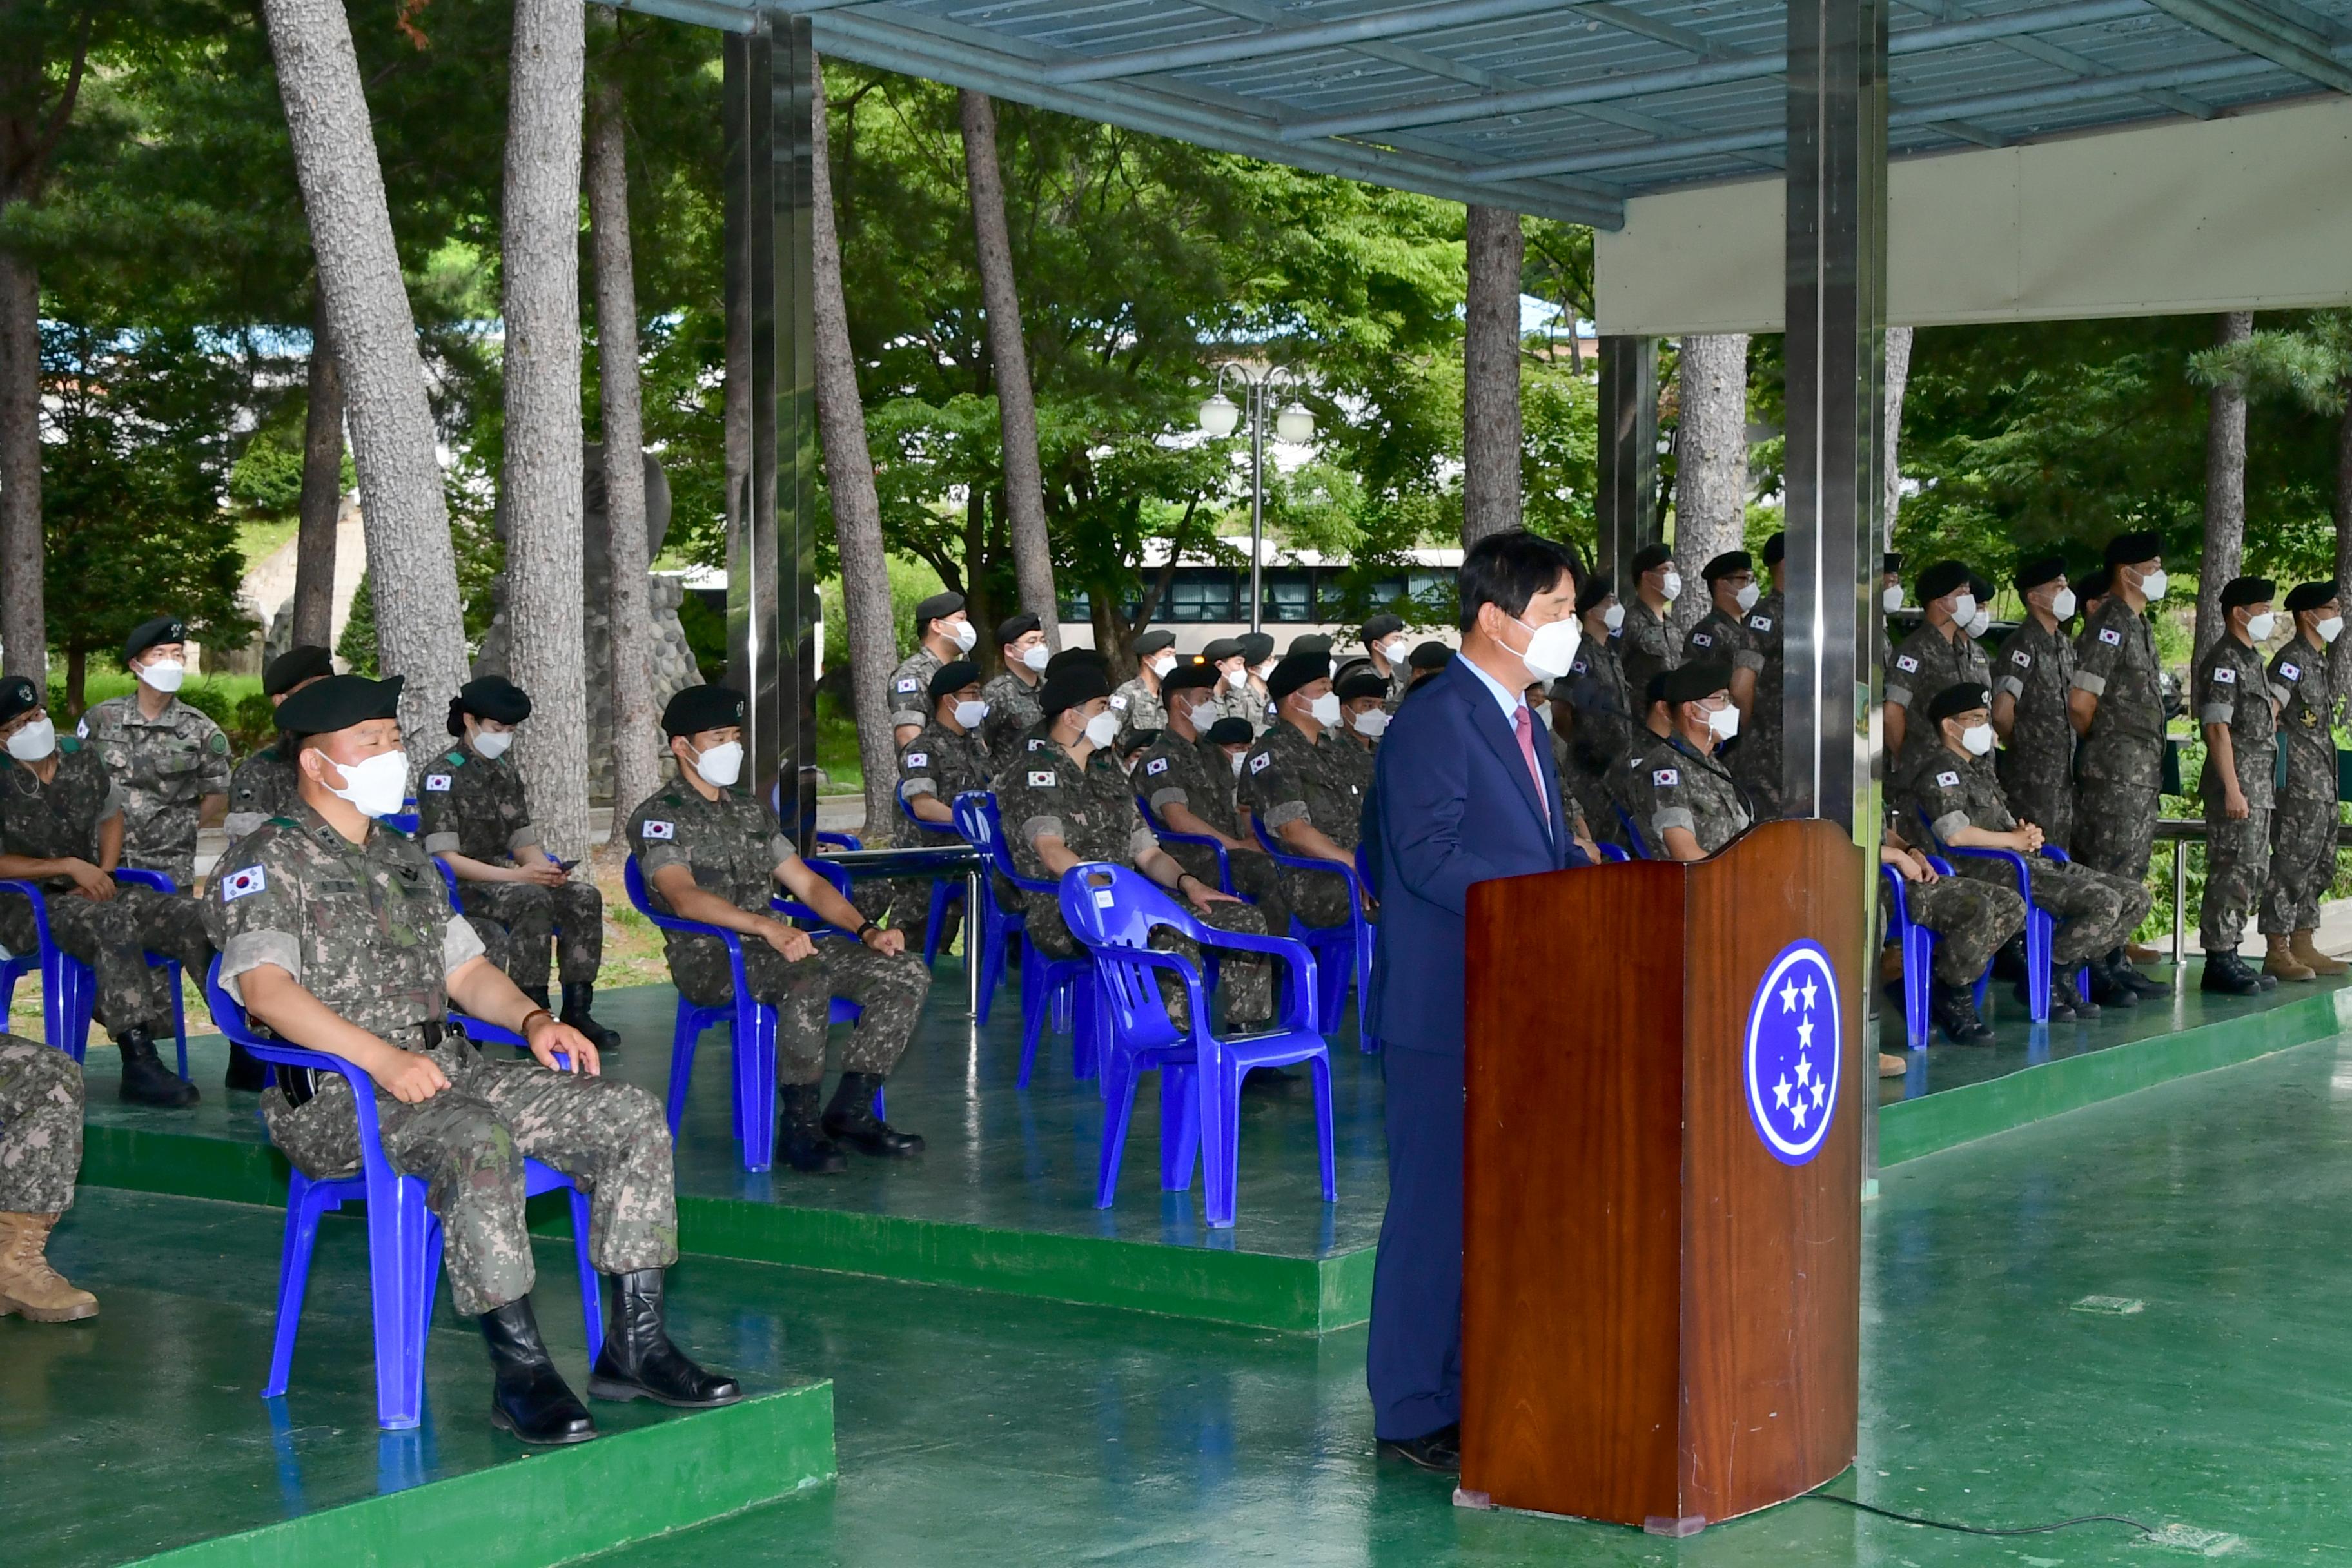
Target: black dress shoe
column 638, row 1361
column 146, row 1081
column 245, row 1072
column 800, row 1141
column 1440, row 1452
column 529, row 1398
column 850, row 1119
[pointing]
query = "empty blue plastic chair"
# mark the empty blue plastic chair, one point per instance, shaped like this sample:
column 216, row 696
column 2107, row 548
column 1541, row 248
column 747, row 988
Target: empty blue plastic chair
column 69, row 986
column 1061, row 986
column 1113, row 910
column 1918, row 944
column 1167, row 835
column 1001, row 929
column 945, row 891
column 404, row 1236
column 838, row 841
column 1342, row 950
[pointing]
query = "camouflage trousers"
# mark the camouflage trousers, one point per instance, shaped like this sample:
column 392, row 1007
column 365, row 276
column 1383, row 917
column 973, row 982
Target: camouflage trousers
column 1255, row 877
column 2237, row 865
column 2096, row 912
column 1971, row 920
column 1755, row 769
column 1588, row 792
column 2048, row 803
column 1319, row 897
column 2115, row 828
column 889, row 990
column 1247, row 983
column 2302, row 864
column 178, row 862
column 904, row 903
column 572, row 916
column 40, row 1127
column 114, row 937
column 467, row 1144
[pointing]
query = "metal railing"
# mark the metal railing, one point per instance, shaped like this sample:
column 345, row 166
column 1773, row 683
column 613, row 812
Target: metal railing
column 2180, row 830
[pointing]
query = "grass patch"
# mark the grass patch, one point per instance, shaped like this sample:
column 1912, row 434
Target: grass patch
column 260, row 538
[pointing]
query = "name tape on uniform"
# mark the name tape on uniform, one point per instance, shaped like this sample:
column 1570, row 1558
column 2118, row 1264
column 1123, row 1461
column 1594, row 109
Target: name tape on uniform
column 661, row 830
column 236, row 884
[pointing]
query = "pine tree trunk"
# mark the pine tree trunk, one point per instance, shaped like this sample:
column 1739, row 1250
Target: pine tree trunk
column 24, row 618
column 1898, row 377
column 857, row 510
column 1491, row 437
column 412, row 566
column 636, row 733
column 1710, row 464
column 1016, row 403
column 2225, row 491
column 2340, row 660
column 322, row 492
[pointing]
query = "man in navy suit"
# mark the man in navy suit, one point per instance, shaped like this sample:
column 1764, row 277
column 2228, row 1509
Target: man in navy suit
column 1463, row 791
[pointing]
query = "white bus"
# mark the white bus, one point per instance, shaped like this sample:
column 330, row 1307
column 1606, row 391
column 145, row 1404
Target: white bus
column 1301, row 594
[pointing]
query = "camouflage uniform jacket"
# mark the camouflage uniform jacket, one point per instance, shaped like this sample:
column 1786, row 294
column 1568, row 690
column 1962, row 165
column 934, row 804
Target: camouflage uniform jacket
column 1950, row 792
column 469, row 805
column 1723, row 639
column 910, row 688
column 1242, row 702
column 1605, row 719
column 264, row 785
column 1628, row 784
column 2035, row 668
column 1757, row 763
column 165, row 768
column 1194, row 774
column 1694, row 792
column 2233, row 689
column 1139, row 708
column 1924, row 664
column 2115, row 662
column 2306, row 721
column 1047, row 795
column 943, row 764
column 1287, row 777
column 1647, row 643
column 1012, row 710
column 59, row 820
column 733, row 844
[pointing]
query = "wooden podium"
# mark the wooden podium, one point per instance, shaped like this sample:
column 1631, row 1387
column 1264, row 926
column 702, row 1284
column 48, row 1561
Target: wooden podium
column 1659, row 1306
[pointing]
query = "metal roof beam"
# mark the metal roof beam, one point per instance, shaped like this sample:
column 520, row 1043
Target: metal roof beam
column 2067, row 59
column 2260, row 32
column 1277, row 40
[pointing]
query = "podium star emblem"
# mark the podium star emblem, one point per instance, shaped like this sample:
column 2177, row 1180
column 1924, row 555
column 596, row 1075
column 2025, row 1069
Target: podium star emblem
column 1794, row 1043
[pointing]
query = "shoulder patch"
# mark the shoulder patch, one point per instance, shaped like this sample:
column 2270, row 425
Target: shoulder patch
column 1036, row 742
column 437, row 783
column 1666, row 778
column 218, row 744
column 1120, row 704
column 237, row 884
column 2225, row 674
column 1578, row 667
column 1906, row 663
column 455, row 759
column 661, row 830
column 911, row 684
column 1042, row 779
column 1704, row 640
column 1760, row 623
column 919, row 759
column 70, row 744
column 2020, row 658
column 2292, row 671
column 1258, row 763
column 82, row 730
column 2112, row 638
column 1948, row 779
column 1156, row 765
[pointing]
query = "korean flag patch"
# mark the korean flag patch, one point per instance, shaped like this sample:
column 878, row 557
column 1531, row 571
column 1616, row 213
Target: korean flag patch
column 1760, row 623
column 2112, row 638
column 2020, row 658
column 1258, row 763
column 1949, row 781
column 1702, row 639
column 2290, row 671
column 1908, row 665
column 661, row 830
column 911, row 684
column 1666, row 778
column 1120, row 704
column 1156, row 765
column 2226, row 676
column 1041, row 781
column 919, row 759
column 236, row 884
column 440, row 783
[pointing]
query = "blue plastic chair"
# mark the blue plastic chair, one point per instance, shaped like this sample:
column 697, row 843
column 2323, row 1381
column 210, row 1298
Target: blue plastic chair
column 1918, row 945
column 2041, row 925
column 1062, row 986
column 945, row 891
column 405, row 821
column 1341, row 951
column 838, row 841
column 1167, row 835
column 404, row 1236
column 1632, row 835
column 69, row 986
column 1614, row 854
column 1113, row 910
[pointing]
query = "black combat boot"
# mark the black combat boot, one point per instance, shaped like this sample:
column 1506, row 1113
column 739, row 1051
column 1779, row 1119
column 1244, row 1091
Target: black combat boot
column 1955, row 1010
column 2227, row 973
column 577, row 996
column 801, row 1141
column 2062, row 1010
column 145, row 1080
column 2119, row 963
column 638, row 1361
column 850, row 1119
column 2108, row 988
column 537, row 995
column 246, row 1070
column 529, row 1398
column 2079, row 1007
column 2008, row 960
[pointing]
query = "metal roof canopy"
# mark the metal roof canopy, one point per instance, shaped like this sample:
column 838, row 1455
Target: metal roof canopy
column 1565, row 108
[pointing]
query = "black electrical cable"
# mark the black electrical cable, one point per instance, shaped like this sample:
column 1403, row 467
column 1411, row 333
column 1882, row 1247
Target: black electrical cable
column 1976, row 1529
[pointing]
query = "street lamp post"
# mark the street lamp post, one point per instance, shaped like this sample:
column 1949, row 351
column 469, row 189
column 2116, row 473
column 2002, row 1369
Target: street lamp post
column 1221, row 416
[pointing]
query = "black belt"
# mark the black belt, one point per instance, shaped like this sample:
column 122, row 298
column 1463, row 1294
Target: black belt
column 300, row 1085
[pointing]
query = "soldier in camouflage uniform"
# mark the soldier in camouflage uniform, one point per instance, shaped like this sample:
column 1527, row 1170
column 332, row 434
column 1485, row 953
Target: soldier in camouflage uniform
column 1061, row 810
column 41, row 1156
column 1011, row 697
column 1187, row 777
column 1957, row 792
column 2237, row 710
column 2304, row 822
column 2033, row 673
column 1890, row 599
column 340, row 940
column 1301, row 782
column 1721, row 634
column 1384, row 644
column 1756, row 760
column 1694, row 808
column 2117, row 708
column 1971, row 918
column 1597, row 730
column 1940, row 653
column 61, row 827
column 171, row 761
column 713, row 854
column 471, row 812
column 942, row 763
column 942, row 632
column 1426, row 660
column 1137, row 702
column 1649, row 642
column 1257, row 657
column 1234, row 698
column 263, row 785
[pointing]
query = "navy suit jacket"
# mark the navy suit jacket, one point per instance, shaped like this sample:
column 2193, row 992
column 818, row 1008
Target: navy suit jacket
column 1453, row 803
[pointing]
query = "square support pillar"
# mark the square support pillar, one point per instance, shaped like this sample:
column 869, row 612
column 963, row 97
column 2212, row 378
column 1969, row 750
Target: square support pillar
column 1625, row 512
column 772, row 597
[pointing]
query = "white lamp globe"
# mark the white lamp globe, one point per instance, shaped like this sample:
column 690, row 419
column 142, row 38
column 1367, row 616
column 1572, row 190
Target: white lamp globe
column 1220, row 414
column 1295, row 425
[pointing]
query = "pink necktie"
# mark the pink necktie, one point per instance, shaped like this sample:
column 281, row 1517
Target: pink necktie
column 1524, row 724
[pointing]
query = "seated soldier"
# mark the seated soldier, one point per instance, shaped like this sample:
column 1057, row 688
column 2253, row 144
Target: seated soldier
column 1957, row 793
column 471, row 812
column 263, row 785
column 1060, row 808
column 1693, row 804
column 1628, row 782
column 340, row 940
column 1306, row 790
column 1187, row 779
column 715, row 854
column 40, row 1155
column 943, row 760
column 61, row 827
column 1363, row 693
column 1971, row 918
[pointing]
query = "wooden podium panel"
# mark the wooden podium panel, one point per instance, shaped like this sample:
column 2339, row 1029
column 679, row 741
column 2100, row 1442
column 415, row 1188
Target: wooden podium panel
column 1660, row 1313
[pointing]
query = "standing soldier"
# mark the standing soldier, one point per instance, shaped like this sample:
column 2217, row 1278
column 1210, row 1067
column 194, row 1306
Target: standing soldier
column 263, row 785
column 1187, row 779
column 1137, row 702
column 340, row 942
column 1257, row 657
column 942, row 763
column 2117, row 708
column 1649, row 642
column 171, row 761
column 1756, row 760
column 1721, row 635
column 1011, row 697
column 471, row 812
column 2032, row 674
column 714, row 854
column 1939, row 653
column 1695, row 806
column 1305, row 790
column 1600, row 720
column 41, row 1157
column 1426, row 660
column 61, row 827
column 1385, row 645
column 2237, row 708
column 942, row 632
column 1890, row 599
column 2304, row 822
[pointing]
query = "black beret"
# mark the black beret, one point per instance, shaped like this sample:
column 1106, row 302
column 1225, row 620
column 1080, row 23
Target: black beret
column 147, row 634
column 1297, row 669
column 1654, row 691
column 1648, row 558
column 1135, row 741
column 1362, row 683
column 1597, row 587
column 1960, row 696
column 490, row 697
column 1256, row 648
column 17, row 695
column 1019, row 626
column 2033, row 573
column 2247, row 591
column 1313, row 642
column 698, row 708
column 953, row 676
column 1725, row 564
column 946, row 603
column 1074, row 685
column 1890, row 562
column 1187, row 676
column 1944, row 577
column 295, row 665
column 1151, row 642
column 2095, row 584
column 1979, row 589
column 1775, row 549
column 2310, row 595
column 2131, row 548
column 1221, row 649
column 1696, row 682
column 1230, row 733
column 1431, row 654
column 339, row 702
column 1070, row 656
column 1380, row 627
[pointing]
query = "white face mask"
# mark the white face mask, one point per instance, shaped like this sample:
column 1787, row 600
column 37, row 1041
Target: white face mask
column 492, row 744
column 722, row 764
column 1237, row 759
column 2062, row 604
column 1102, row 729
column 1980, row 623
column 378, row 786
column 1394, row 650
column 35, row 742
column 1892, row 597
column 969, row 714
column 1371, row 722
column 1237, row 678
column 2330, row 628
column 2259, row 628
column 1162, row 665
column 1613, row 616
column 1978, row 739
column 1964, row 609
column 963, row 634
column 165, row 674
column 1724, row 721
column 2154, row 584
column 1325, row 709
column 1551, row 647
column 1670, row 586
column 1746, row 598
column 1036, row 657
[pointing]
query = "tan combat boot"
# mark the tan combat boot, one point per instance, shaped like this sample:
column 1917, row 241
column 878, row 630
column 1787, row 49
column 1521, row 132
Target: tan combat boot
column 27, row 1284
column 2307, row 952
column 2278, row 961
